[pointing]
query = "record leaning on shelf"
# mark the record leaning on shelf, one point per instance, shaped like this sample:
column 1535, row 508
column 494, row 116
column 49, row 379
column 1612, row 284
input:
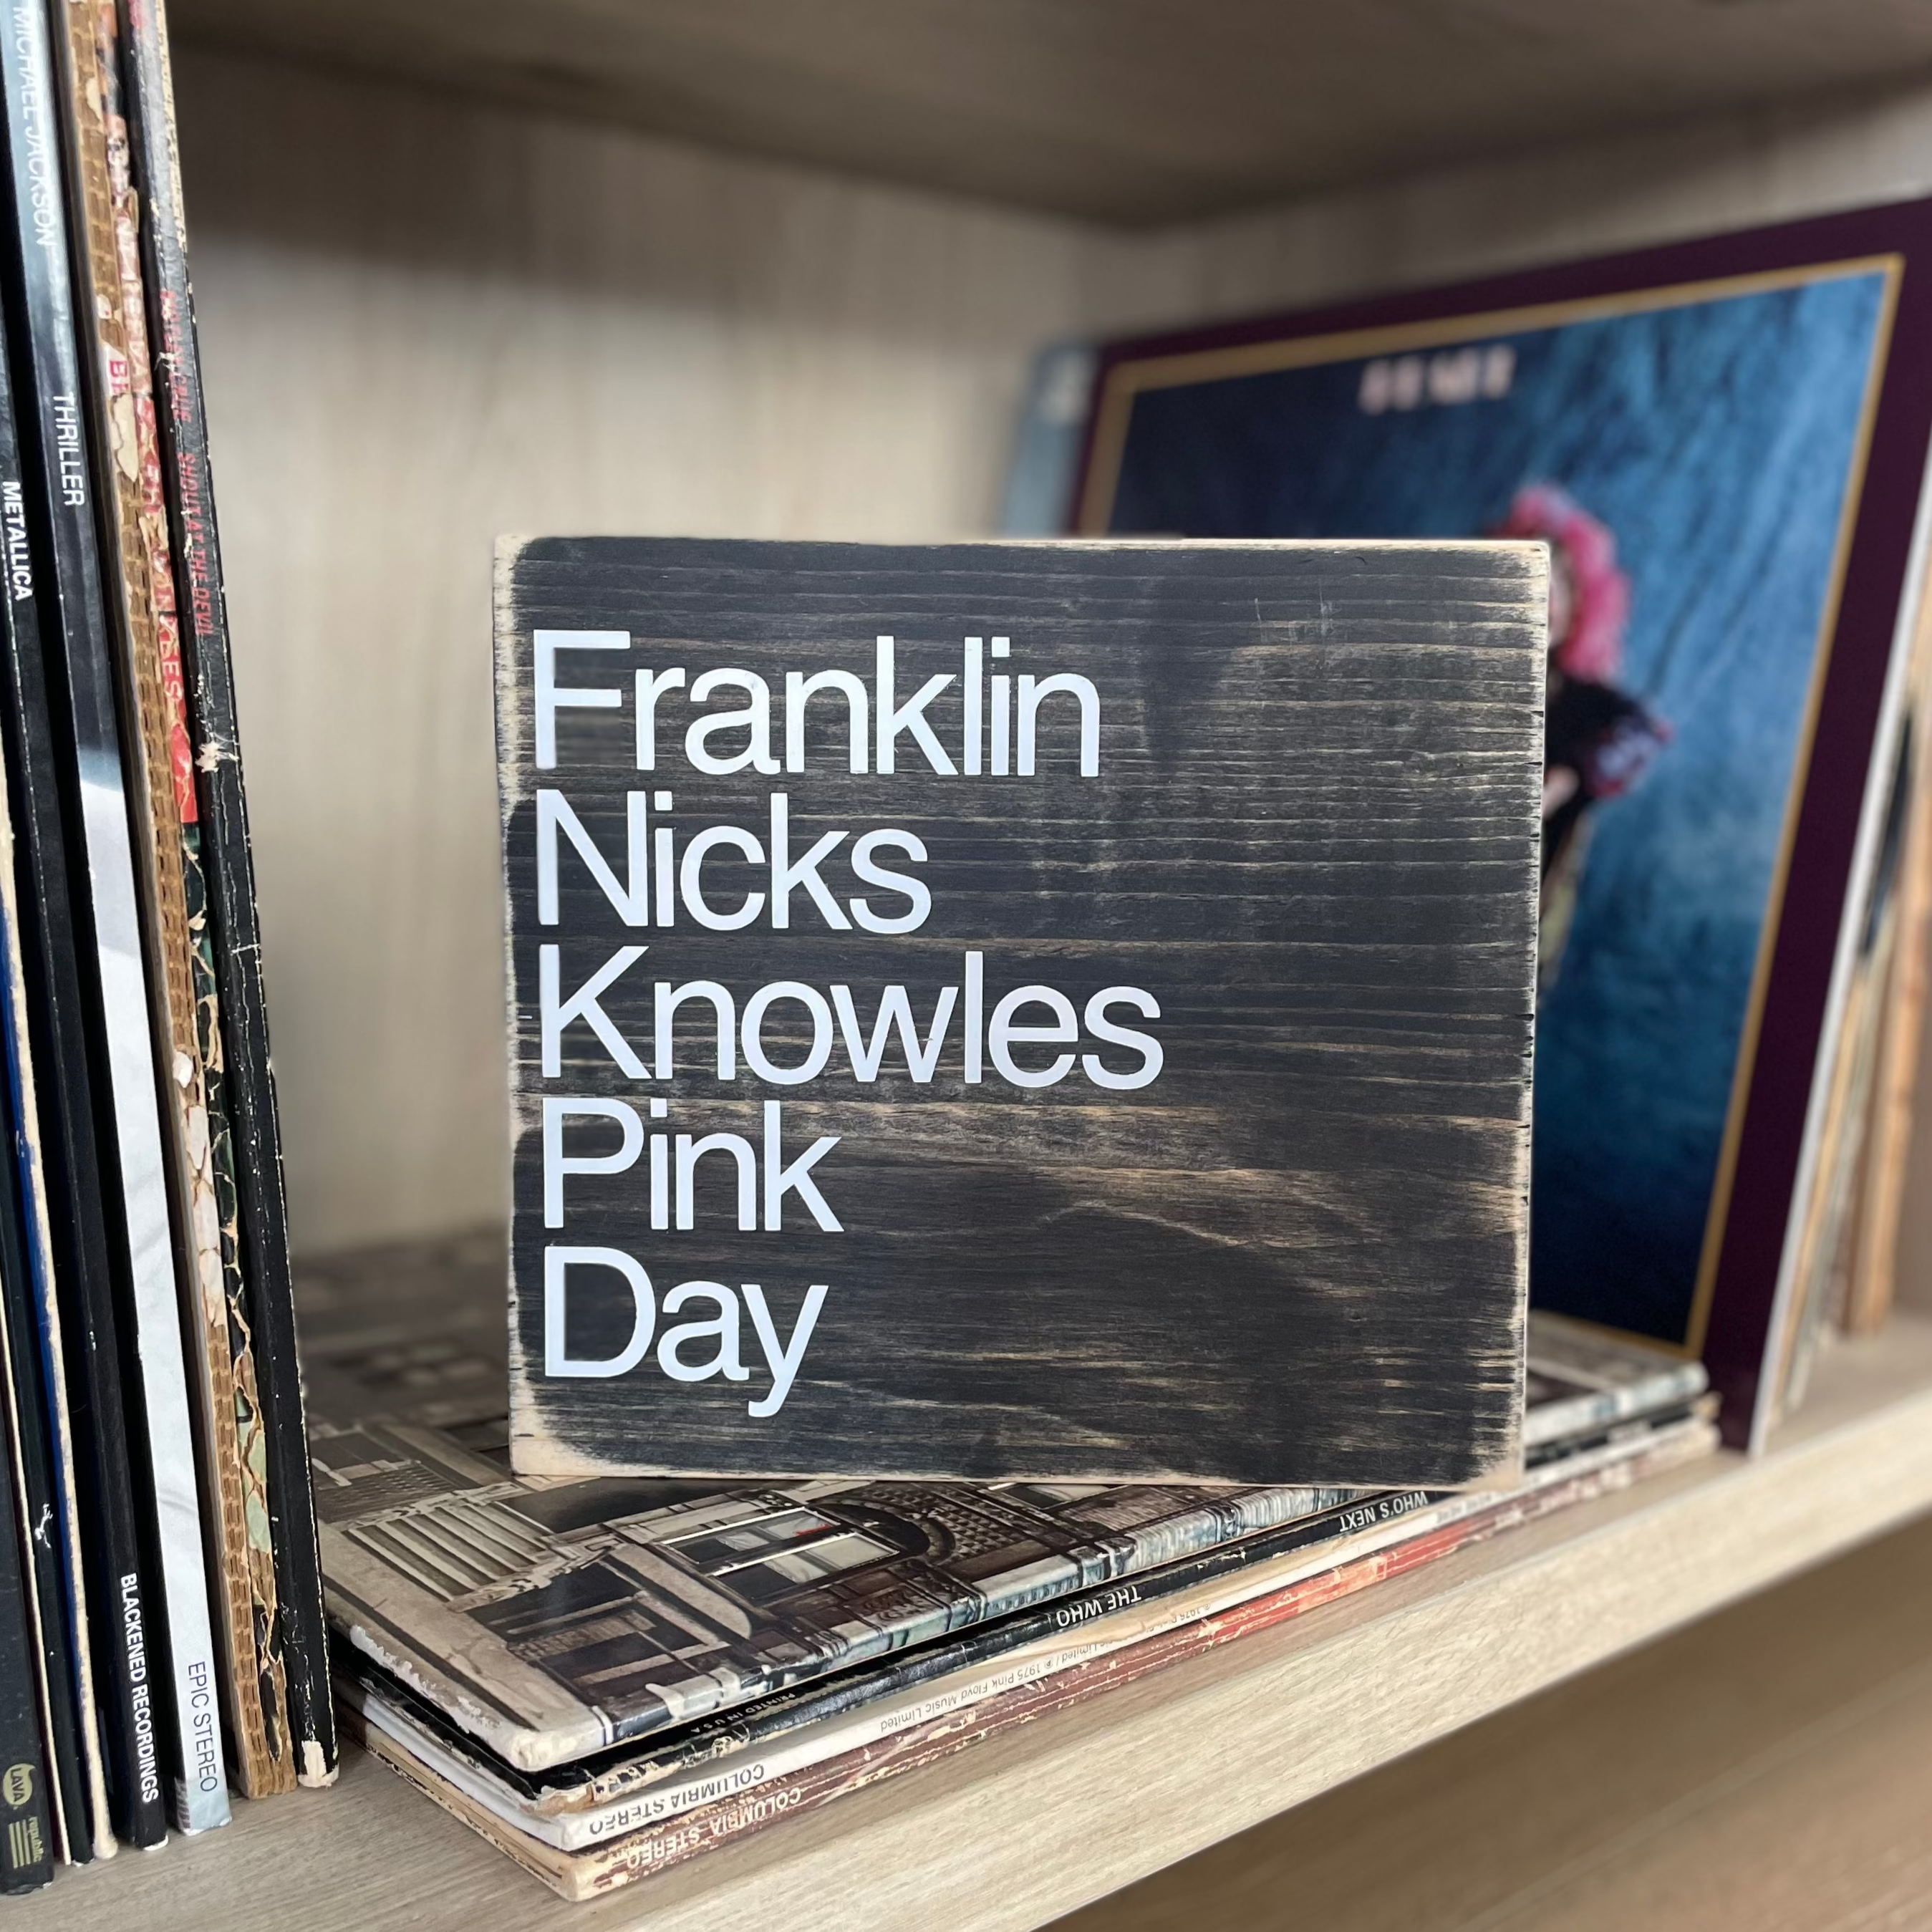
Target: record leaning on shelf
column 110, row 954
column 48, row 1656
column 274, row 1374
column 117, row 1584
column 26, row 1814
column 139, row 573
column 39, row 1423
column 44, row 1437
column 1725, row 442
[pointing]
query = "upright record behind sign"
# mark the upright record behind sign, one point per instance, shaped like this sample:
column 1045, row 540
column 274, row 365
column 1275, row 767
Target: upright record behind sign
column 1049, row 1011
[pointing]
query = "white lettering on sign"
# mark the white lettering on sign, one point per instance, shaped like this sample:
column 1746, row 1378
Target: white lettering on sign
column 719, row 1332
column 738, row 736
column 772, row 869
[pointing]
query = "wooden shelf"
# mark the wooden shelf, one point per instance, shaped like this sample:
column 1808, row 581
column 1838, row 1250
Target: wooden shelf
column 1154, row 111
column 1014, row 1833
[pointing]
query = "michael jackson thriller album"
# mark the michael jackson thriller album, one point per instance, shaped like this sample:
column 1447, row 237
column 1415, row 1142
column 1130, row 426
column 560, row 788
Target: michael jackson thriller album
column 1021, row 1011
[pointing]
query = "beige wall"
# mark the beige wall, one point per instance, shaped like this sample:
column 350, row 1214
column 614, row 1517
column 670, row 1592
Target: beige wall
column 424, row 323
column 1587, row 198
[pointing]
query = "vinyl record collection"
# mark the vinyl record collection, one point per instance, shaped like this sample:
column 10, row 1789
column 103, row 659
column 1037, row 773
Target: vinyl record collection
column 606, row 1675
column 160, row 1621
column 606, row 1678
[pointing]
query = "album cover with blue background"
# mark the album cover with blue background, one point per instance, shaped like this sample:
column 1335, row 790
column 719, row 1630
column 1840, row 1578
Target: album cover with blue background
column 1691, row 431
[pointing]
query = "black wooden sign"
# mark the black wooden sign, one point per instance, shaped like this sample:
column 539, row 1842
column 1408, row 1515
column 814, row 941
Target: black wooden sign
column 1051, row 1011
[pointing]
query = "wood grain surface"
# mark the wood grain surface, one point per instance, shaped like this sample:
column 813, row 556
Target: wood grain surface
column 1771, row 1767
column 1022, row 1829
column 1308, row 836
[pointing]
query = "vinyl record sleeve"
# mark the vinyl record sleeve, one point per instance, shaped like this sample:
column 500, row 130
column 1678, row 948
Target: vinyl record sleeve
column 1580, row 1380
column 43, row 1513
column 1058, row 1012
column 556, row 1618
column 43, row 1422
column 1725, row 440
column 269, row 1372
column 574, row 1807
column 1825, row 1249
column 396, row 1728
column 81, row 1311
column 1895, row 1100
column 105, row 901
column 550, row 1621
column 200, row 1160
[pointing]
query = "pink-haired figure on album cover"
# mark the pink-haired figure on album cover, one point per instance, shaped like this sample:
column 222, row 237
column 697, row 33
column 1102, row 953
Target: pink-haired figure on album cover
column 1599, row 740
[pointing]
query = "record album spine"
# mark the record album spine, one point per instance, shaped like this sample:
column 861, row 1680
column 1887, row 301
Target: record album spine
column 135, row 547
column 45, row 1626
column 26, row 1818
column 111, row 1585
column 43, row 1424
column 236, row 946
column 50, row 1632
column 1898, row 1100
column 1875, row 1256
column 87, row 696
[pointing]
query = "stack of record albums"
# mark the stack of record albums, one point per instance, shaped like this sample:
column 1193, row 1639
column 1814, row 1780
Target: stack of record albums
column 161, row 1639
column 608, row 1677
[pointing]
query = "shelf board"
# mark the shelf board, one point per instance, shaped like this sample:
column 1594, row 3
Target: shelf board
column 1127, row 111
column 1014, row 1832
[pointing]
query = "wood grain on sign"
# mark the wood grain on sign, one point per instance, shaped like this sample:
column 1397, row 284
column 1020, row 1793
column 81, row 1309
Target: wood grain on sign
column 1197, row 1144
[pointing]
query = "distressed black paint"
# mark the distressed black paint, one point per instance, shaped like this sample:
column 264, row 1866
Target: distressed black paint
column 1298, row 1254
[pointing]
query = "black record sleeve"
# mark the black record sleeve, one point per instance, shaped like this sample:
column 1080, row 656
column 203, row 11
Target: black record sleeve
column 115, row 1569
column 49, row 1656
column 110, row 1077
column 26, row 1821
column 41, row 1423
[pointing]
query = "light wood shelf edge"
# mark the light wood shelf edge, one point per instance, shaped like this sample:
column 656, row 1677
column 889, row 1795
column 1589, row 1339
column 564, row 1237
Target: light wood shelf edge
column 1012, row 1834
